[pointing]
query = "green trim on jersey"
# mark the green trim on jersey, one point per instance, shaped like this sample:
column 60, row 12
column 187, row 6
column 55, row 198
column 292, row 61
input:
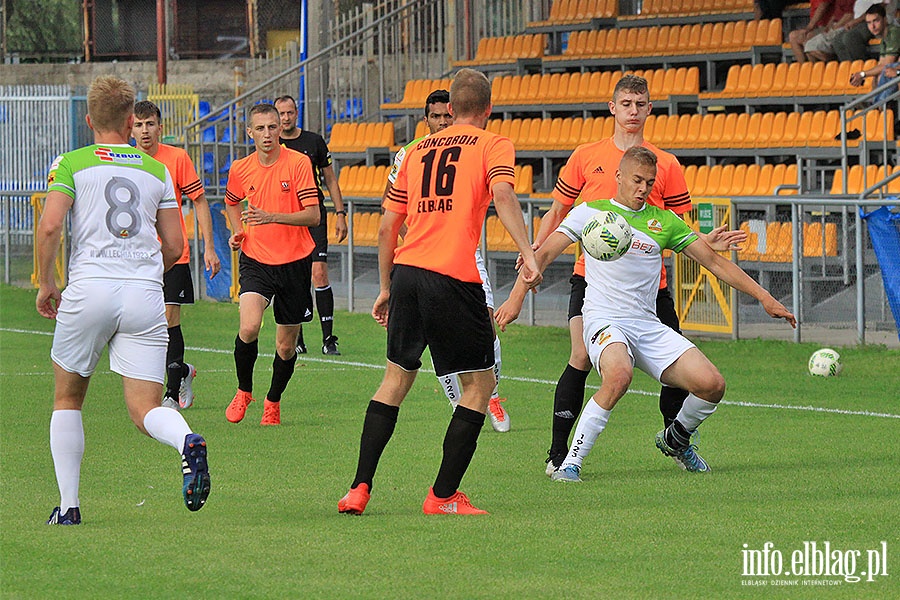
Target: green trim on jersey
column 66, row 165
column 664, row 227
column 400, row 156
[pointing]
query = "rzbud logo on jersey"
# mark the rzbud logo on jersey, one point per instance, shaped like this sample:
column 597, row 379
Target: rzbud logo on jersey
column 115, row 156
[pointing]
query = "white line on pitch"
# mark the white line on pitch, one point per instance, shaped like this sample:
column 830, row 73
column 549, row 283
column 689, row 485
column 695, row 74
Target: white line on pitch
column 345, row 363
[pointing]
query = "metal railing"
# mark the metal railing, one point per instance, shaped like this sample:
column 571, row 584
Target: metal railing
column 865, row 105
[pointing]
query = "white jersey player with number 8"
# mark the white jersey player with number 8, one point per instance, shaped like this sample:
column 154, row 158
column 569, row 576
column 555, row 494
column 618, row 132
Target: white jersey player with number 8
column 125, row 231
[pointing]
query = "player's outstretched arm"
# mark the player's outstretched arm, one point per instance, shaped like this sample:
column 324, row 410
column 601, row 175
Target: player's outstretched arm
column 204, row 220
column 734, row 276
column 53, row 218
column 549, row 222
column 721, row 240
column 547, row 253
column 510, row 213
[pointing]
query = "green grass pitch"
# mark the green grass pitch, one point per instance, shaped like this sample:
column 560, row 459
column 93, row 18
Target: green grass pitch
column 638, row 527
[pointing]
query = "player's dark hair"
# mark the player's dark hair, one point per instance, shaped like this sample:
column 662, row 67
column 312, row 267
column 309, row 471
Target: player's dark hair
column 286, row 98
column 632, row 84
column 145, row 108
column 470, row 93
column 641, row 156
column 436, row 97
column 261, row 109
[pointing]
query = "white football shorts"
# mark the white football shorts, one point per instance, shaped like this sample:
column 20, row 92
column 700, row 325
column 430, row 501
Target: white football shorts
column 653, row 347
column 485, row 280
column 130, row 318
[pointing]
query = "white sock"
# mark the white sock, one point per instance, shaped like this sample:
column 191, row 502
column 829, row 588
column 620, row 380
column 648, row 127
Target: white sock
column 591, row 423
column 67, row 448
column 450, row 384
column 166, row 425
column 498, row 362
column 694, row 411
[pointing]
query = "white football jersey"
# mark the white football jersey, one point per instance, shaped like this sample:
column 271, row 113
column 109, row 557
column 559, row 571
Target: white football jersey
column 627, row 287
column 116, row 191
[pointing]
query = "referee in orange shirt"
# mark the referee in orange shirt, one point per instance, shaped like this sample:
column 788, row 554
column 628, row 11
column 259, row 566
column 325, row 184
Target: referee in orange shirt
column 431, row 292
column 276, row 247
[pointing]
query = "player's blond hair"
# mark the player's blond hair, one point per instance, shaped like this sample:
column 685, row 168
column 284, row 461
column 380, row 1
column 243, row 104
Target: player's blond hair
column 110, row 102
column 638, row 155
column 470, row 93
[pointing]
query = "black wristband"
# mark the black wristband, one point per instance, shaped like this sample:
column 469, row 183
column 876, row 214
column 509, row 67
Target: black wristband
column 341, row 212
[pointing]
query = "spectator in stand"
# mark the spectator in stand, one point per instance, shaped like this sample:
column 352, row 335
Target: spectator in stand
column 768, row 9
column 888, row 51
column 824, row 16
column 847, row 39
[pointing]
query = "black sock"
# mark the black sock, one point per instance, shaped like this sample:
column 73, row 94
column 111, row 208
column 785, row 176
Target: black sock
column 325, row 306
column 174, row 361
column 567, row 404
column 282, row 370
column 670, row 402
column 378, row 427
column 459, row 447
column 244, row 358
column 677, row 437
column 300, row 337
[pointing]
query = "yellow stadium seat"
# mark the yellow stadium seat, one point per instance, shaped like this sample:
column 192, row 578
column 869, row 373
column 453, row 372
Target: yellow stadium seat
column 726, row 179
column 764, row 181
column 737, row 181
column 751, row 181
column 690, row 173
column 701, row 181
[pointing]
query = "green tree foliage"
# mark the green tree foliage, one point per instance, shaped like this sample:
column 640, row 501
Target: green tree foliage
column 44, row 27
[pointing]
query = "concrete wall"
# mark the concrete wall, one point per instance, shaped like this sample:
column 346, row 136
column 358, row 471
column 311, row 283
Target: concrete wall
column 213, row 80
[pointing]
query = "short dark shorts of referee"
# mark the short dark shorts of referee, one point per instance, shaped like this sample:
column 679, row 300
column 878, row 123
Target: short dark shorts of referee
column 445, row 314
column 178, row 287
column 319, row 235
column 286, row 287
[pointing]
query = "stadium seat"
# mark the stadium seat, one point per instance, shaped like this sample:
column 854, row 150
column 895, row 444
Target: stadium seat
column 764, row 185
column 737, row 181
column 701, row 181
column 690, row 173
column 751, row 181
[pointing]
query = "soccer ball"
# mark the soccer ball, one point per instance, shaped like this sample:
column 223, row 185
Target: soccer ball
column 825, row 363
column 607, row 236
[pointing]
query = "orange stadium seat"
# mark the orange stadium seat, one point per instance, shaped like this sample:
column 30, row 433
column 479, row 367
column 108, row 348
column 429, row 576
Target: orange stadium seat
column 701, row 181
column 714, row 181
column 779, row 80
column 751, row 180
column 728, row 40
column 764, row 181
column 736, row 180
column 690, row 174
